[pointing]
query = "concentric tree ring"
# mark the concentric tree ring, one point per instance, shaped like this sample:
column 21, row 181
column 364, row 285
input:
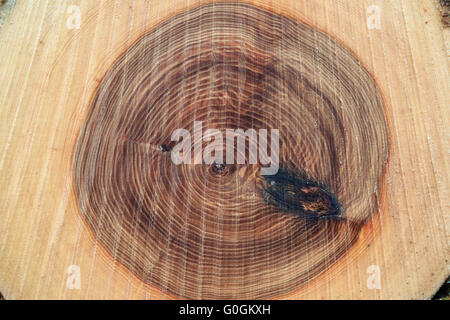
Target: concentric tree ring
column 209, row 231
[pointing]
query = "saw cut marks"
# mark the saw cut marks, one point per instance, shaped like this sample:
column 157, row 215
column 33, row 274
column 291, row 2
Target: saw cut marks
column 224, row 231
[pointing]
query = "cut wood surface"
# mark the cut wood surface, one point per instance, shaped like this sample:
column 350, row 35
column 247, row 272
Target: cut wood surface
column 92, row 206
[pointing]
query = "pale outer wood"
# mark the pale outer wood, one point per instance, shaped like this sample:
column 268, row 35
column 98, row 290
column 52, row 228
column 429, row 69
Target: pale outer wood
column 48, row 75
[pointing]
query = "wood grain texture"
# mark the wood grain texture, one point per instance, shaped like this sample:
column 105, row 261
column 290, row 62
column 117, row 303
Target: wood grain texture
column 200, row 234
column 51, row 74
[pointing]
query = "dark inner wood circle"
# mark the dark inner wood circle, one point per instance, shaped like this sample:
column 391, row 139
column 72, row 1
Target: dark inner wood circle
column 225, row 231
